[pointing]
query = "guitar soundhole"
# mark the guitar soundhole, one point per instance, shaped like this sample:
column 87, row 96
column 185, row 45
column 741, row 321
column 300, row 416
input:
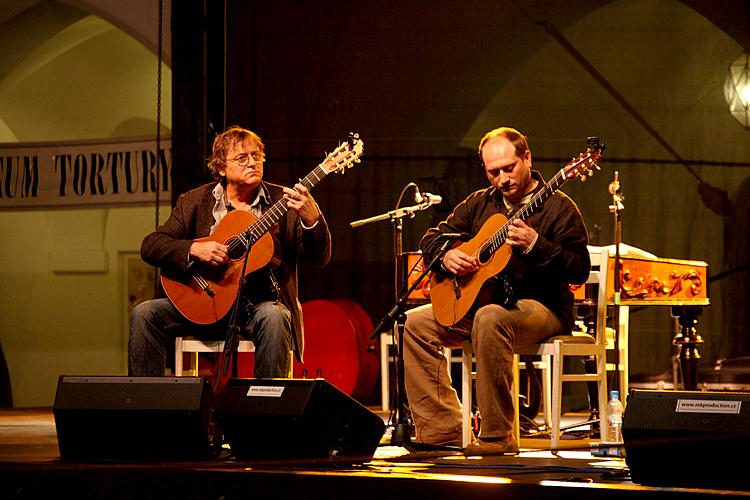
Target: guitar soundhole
column 485, row 255
column 235, row 248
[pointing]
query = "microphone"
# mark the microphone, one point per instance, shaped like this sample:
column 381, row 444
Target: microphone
column 458, row 236
column 614, row 186
column 447, row 239
column 431, row 199
column 617, row 197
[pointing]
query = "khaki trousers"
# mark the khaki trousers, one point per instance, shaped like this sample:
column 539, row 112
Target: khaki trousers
column 494, row 331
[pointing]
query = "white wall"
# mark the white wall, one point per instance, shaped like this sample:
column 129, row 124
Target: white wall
column 63, row 294
column 63, row 291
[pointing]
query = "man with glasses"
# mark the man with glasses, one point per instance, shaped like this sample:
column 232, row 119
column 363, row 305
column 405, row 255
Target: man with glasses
column 270, row 313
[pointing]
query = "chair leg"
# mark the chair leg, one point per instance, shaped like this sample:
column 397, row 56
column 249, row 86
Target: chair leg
column 623, row 355
column 194, row 365
column 557, row 374
column 516, row 398
column 466, row 397
column 178, row 357
column 546, row 389
column 385, row 389
column 601, row 372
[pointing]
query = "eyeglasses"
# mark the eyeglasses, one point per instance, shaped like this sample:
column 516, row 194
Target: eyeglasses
column 243, row 160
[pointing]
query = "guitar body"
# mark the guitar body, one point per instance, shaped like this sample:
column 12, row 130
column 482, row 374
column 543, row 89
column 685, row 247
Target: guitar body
column 205, row 294
column 450, row 304
column 453, row 296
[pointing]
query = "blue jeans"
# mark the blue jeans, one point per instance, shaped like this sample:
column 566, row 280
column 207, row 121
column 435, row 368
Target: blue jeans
column 154, row 323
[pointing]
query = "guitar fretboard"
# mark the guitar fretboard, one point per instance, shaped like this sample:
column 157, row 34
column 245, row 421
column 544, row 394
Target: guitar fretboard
column 498, row 239
column 277, row 211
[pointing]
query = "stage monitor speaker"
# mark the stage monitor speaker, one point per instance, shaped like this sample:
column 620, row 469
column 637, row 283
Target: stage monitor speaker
column 133, row 418
column 296, row 418
column 690, row 439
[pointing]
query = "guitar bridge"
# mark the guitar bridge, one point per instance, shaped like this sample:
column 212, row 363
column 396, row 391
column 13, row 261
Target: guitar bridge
column 456, row 288
column 204, row 285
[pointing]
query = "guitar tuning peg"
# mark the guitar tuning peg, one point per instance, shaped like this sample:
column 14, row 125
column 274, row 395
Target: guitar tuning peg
column 591, row 173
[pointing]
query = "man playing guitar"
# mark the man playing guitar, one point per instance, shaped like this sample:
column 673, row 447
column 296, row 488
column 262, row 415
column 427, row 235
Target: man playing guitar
column 529, row 300
column 188, row 251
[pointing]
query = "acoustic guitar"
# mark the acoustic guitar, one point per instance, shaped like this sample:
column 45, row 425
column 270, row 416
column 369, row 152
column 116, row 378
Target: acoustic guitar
column 205, row 294
column 453, row 296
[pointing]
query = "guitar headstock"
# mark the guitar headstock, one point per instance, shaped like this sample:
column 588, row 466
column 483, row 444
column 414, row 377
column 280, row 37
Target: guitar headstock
column 344, row 156
column 582, row 167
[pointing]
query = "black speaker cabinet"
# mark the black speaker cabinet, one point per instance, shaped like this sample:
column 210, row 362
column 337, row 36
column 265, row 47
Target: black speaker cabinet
column 691, row 439
column 295, row 418
column 133, row 418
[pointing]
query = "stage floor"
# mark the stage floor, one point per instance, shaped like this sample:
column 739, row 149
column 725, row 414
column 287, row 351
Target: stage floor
column 31, row 467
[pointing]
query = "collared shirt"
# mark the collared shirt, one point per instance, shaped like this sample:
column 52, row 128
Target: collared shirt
column 222, row 205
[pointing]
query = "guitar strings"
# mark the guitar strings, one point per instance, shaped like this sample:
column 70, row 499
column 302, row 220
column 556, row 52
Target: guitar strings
column 272, row 216
column 498, row 239
column 278, row 209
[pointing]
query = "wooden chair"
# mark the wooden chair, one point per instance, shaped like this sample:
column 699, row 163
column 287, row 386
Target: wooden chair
column 194, row 346
column 553, row 352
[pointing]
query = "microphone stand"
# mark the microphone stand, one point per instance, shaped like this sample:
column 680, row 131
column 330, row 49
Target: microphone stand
column 401, row 435
column 230, row 341
column 616, row 209
column 398, row 213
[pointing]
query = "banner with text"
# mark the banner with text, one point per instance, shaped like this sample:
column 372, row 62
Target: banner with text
column 79, row 174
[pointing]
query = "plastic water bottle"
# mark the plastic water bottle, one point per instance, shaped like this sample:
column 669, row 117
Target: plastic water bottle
column 614, row 430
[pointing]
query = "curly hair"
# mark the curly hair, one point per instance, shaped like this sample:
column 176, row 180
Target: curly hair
column 231, row 136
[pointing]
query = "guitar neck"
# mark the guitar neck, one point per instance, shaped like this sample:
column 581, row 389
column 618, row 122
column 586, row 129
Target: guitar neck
column 278, row 209
column 498, row 239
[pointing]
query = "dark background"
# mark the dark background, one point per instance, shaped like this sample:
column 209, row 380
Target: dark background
column 422, row 81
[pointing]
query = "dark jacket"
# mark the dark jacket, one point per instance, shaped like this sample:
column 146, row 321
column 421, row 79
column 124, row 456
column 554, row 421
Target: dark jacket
column 559, row 257
column 192, row 218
